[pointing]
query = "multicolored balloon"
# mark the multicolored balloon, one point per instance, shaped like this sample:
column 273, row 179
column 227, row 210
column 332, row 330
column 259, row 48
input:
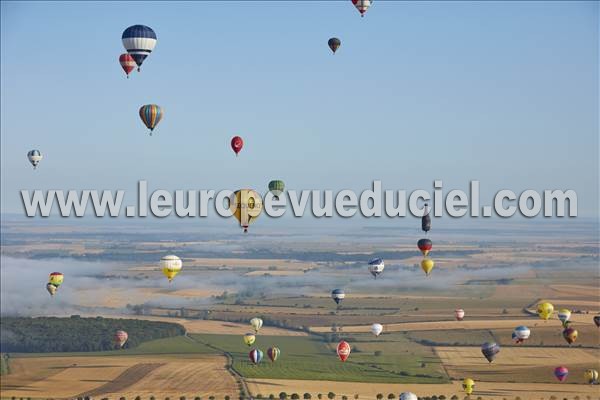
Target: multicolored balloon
column 127, row 63
column 255, row 356
column 334, row 44
column 376, row 329
column 376, row 267
column 564, row 316
column 273, row 353
column 237, row 143
column 468, row 385
column 343, row 350
column 570, row 335
column 362, row 6
column 490, row 350
column 139, row 41
column 338, row 295
column 427, row 265
column 591, row 376
column 561, row 373
column 459, row 314
column 245, row 205
column 151, row 115
column 170, row 265
column 425, row 246
column 256, row 324
column 120, row 338
column 249, row 339
column 34, row 157
column 545, row 310
column 56, row 278
column 521, row 333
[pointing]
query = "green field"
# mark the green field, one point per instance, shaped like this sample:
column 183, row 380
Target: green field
column 309, row 357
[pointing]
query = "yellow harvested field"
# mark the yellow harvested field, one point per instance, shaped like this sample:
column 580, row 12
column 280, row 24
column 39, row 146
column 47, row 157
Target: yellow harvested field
column 466, row 324
column 118, row 375
column 250, row 262
column 368, row 391
column 212, row 326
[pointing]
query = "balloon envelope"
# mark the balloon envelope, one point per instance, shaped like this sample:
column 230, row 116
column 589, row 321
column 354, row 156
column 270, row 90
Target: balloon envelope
column 343, row 350
column 56, row 278
column 249, row 339
column 151, row 115
column 459, row 314
column 255, row 356
column 276, row 187
column 334, row 44
column 51, row 289
column 120, row 338
column 408, row 396
column 170, row 266
column 127, row 63
column 597, row 320
column 273, row 353
column 545, row 310
column 237, row 143
column 490, row 350
column 34, row 157
column 468, row 385
column 245, row 205
column 561, row 373
column 338, row 295
column 139, row 41
column 362, row 6
column 376, row 329
column 376, row 267
column 564, row 315
column 591, row 376
column 256, row 324
column 425, row 246
column 426, row 219
column 521, row 333
column 570, row 335
column 427, row 265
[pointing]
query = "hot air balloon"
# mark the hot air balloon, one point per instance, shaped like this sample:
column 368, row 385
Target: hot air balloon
column 151, row 114
column 139, row 41
column 334, row 44
column 170, row 265
column 564, row 315
column 256, row 323
column 120, row 338
column 343, row 350
column 246, row 206
column 561, row 373
column 591, row 376
column 570, row 335
column 521, row 333
column 56, row 278
column 273, row 353
column 459, row 314
column 427, row 265
column 34, row 157
column 376, row 267
column 468, row 385
column 236, row 144
column 127, row 63
column 489, row 350
column 276, row 187
column 338, row 295
column 545, row 310
column 376, row 329
column 425, row 246
column 597, row 320
column 51, row 289
column 249, row 339
column 255, row 356
column 362, row 6
column 426, row 219
column 408, row 396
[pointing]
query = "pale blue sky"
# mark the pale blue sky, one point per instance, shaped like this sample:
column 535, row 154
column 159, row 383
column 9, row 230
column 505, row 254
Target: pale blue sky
column 503, row 92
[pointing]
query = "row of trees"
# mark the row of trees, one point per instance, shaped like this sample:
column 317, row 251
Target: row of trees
column 52, row 334
column 307, row 396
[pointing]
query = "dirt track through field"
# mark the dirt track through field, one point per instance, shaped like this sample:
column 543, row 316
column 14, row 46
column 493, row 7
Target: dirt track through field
column 123, row 381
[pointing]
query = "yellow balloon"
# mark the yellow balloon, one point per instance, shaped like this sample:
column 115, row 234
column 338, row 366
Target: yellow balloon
column 591, row 376
column 56, row 278
column 249, row 339
column 170, row 265
column 468, row 385
column 256, row 323
column 545, row 310
column 246, row 205
column 427, row 265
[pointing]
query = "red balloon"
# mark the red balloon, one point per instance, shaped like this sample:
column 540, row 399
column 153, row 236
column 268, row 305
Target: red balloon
column 343, row 350
column 127, row 63
column 236, row 144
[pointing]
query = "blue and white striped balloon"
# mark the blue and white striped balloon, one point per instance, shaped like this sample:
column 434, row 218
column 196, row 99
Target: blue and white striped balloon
column 34, row 157
column 139, row 41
